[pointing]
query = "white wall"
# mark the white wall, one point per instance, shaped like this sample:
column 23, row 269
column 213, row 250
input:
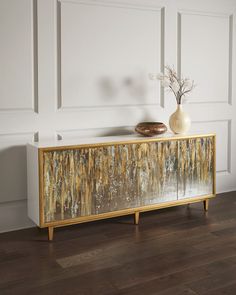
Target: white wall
column 74, row 68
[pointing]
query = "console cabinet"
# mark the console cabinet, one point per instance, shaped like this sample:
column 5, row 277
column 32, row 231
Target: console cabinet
column 90, row 179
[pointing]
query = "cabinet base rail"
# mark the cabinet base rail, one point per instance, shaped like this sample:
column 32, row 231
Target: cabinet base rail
column 135, row 211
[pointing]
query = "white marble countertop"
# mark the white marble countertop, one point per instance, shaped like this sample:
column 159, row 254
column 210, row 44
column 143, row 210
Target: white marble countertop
column 110, row 139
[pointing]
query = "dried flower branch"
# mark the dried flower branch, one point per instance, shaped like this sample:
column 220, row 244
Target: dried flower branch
column 179, row 86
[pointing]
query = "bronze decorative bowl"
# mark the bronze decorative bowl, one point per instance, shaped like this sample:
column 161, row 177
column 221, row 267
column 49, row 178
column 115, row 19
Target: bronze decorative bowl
column 151, row 128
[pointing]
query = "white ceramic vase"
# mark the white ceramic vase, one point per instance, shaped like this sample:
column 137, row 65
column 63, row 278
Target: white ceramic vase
column 180, row 121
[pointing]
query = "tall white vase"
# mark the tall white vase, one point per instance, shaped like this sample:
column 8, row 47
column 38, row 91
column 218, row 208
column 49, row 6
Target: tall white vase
column 179, row 121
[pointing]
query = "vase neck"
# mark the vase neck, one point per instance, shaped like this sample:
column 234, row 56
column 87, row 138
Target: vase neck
column 179, row 106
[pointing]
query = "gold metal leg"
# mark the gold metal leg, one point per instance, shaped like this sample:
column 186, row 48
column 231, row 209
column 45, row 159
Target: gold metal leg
column 50, row 233
column 206, row 204
column 136, row 217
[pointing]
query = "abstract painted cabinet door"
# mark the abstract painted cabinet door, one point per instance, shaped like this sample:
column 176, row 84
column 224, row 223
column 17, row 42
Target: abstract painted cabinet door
column 95, row 180
column 195, row 167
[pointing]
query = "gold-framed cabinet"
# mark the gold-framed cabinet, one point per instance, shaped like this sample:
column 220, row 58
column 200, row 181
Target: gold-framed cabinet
column 71, row 182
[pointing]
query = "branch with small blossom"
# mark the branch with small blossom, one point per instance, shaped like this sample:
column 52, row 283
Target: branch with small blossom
column 179, row 86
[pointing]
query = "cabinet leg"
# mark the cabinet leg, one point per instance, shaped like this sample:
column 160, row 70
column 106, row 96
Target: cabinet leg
column 206, row 205
column 50, row 233
column 136, row 217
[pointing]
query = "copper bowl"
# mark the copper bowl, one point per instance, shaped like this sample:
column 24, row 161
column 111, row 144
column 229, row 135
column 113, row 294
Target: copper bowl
column 151, row 128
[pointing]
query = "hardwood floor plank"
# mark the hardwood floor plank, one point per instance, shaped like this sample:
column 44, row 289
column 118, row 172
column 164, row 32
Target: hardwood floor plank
column 214, row 282
column 182, row 277
column 224, row 290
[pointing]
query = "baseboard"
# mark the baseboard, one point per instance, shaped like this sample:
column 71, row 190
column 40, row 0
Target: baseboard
column 233, row 189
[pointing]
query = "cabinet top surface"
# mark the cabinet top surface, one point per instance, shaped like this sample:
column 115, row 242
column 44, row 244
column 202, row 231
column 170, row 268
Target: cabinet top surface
column 80, row 141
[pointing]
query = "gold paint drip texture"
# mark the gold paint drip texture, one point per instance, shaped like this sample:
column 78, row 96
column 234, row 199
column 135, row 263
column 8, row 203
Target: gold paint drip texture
column 195, row 167
column 95, row 180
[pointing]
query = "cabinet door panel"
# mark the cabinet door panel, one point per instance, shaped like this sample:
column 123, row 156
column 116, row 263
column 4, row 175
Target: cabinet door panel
column 88, row 181
column 195, row 167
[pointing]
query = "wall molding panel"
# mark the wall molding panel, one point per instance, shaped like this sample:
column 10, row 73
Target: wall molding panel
column 13, row 216
column 13, row 150
column 35, row 56
column 30, row 57
column 228, row 18
column 106, row 84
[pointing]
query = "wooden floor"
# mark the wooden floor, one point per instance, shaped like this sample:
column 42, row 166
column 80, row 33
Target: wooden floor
column 173, row 251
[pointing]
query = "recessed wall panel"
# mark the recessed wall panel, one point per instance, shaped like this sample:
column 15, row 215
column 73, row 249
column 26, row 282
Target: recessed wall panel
column 107, row 52
column 17, row 86
column 204, row 55
column 13, row 175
